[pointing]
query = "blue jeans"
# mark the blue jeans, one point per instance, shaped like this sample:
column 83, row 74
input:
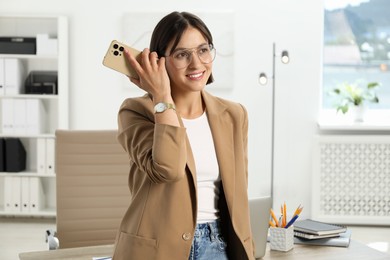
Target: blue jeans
column 208, row 242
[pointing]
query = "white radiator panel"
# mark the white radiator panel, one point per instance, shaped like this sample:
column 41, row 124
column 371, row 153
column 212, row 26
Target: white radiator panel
column 351, row 179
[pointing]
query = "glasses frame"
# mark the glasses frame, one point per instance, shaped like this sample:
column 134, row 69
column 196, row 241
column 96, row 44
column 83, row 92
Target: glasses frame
column 191, row 51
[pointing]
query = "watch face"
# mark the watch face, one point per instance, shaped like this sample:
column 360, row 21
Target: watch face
column 160, row 107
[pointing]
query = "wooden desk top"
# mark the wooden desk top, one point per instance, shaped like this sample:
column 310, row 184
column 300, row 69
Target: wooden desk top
column 77, row 253
column 355, row 251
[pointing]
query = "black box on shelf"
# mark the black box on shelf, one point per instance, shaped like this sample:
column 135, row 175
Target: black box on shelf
column 15, row 155
column 41, row 82
column 18, row 45
column 2, row 155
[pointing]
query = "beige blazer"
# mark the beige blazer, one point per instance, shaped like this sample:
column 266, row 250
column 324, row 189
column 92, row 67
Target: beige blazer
column 161, row 218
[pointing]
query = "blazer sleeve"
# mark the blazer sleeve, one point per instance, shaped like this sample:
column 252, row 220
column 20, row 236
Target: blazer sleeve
column 245, row 139
column 156, row 149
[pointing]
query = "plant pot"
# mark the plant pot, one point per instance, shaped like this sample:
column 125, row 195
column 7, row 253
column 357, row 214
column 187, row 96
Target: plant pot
column 358, row 113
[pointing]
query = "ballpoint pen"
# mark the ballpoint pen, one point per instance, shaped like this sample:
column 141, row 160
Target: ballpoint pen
column 295, row 216
column 291, row 221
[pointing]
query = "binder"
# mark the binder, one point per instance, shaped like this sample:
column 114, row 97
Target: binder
column 15, row 155
column 2, row 155
column 41, row 155
column 36, row 194
column 25, row 194
column 7, row 113
column 50, row 156
column 20, row 116
column 12, row 194
column 16, row 194
column 8, row 194
column 35, row 123
column 14, row 75
column 2, row 78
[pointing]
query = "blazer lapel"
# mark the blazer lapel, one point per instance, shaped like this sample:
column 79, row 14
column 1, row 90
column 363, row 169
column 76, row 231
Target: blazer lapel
column 222, row 132
column 190, row 157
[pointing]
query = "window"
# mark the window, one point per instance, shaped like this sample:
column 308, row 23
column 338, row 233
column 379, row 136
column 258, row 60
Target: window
column 356, row 47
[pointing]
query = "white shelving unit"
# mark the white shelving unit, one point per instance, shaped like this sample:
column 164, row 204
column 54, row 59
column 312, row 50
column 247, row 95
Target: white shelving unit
column 41, row 199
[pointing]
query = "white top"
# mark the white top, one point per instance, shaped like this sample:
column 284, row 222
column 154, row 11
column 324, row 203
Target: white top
column 207, row 170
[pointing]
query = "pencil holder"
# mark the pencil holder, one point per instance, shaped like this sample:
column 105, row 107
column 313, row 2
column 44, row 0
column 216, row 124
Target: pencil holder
column 282, row 239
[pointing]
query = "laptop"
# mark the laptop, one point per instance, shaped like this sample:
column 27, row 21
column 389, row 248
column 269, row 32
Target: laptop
column 260, row 214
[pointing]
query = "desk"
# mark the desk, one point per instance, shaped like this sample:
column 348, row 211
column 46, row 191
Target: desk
column 355, row 251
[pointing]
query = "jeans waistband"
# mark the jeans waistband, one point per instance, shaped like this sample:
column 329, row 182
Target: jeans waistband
column 208, row 229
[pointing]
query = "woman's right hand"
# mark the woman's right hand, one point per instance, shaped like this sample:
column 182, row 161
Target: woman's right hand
column 153, row 76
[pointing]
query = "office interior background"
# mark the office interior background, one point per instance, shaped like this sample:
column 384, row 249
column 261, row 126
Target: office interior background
column 95, row 92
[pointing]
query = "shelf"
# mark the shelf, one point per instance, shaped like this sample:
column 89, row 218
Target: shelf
column 28, row 56
column 353, row 126
column 48, row 135
column 375, row 120
column 26, row 174
column 49, row 212
column 35, row 96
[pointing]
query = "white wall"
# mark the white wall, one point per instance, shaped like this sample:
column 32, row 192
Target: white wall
column 96, row 92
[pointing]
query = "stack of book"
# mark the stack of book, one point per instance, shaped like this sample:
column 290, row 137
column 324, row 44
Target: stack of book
column 319, row 233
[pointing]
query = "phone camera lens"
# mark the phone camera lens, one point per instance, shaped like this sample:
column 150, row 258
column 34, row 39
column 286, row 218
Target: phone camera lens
column 115, row 46
column 121, row 48
column 116, row 53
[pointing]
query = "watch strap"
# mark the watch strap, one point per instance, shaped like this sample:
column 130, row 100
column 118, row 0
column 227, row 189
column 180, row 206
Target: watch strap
column 165, row 106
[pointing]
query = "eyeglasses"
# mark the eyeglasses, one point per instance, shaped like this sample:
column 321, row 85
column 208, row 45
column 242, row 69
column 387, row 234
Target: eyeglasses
column 183, row 57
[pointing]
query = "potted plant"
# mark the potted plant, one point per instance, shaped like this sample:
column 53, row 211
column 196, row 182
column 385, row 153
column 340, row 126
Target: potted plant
column 353, row 96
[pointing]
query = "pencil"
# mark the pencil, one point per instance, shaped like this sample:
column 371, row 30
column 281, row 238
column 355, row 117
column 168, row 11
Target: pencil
column 274, row 217
column 297, row 211
column 271, row 223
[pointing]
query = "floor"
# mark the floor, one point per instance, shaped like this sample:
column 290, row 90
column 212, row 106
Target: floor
column 23, row 235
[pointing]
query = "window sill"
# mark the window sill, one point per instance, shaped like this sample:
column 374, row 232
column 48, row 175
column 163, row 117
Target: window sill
column 375, row 120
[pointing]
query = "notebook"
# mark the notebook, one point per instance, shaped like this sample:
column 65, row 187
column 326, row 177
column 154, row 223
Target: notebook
column 342, row 240
column 317, row 227
column 259, row 213
column 312, row 236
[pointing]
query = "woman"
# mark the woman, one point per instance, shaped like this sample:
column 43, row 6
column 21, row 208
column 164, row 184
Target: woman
column 188, row 154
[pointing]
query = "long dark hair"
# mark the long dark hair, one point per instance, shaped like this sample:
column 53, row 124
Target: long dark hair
column 171, row 28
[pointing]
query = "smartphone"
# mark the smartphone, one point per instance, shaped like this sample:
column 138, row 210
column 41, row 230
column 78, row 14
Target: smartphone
column 115, row 58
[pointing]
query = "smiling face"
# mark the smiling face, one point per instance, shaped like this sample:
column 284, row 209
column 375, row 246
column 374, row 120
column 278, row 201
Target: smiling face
column 193, row 77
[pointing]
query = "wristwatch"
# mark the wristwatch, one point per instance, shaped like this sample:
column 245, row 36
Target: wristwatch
column 162, row 106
